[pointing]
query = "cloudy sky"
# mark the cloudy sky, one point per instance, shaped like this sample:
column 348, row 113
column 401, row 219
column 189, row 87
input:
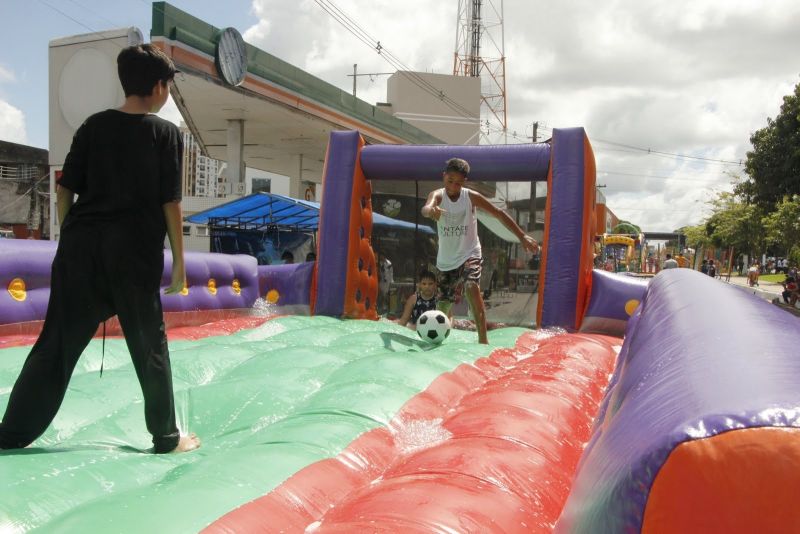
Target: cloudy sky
column 680, row 78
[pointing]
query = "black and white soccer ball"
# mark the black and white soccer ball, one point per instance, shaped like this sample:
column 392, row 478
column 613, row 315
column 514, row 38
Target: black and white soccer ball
column 433, row 326
column 391, row 208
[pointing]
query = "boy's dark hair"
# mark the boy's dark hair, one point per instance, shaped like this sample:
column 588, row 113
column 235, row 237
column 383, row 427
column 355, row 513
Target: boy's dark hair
column 426, row 274
column 457, row 165
column 669, row 256
column 141, row 67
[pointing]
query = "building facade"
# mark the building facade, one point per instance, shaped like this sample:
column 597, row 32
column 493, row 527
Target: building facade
column 202, row 176
column 24, row 185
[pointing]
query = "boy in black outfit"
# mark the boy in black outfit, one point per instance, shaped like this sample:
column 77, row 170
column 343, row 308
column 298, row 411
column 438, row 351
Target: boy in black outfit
column 125, row 166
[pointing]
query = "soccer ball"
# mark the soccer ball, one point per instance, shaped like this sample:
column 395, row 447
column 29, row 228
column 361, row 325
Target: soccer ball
column 433, row 326
column 391, row 208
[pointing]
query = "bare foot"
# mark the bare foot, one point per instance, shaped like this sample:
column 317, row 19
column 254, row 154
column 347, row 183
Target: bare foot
column 187, row 443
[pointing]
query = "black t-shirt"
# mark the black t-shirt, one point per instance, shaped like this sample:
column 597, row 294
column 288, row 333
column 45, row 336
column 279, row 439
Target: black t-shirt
column 124, row 167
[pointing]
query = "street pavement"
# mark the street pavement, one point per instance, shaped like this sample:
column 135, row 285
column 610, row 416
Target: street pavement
column 764, row 289
column 770, row 291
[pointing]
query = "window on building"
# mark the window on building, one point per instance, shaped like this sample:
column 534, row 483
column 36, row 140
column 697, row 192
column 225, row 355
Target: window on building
column 202, row 231
column 262, row 185
column 187, row 229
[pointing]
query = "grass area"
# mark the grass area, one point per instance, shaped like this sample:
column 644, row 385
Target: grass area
column 776, row 278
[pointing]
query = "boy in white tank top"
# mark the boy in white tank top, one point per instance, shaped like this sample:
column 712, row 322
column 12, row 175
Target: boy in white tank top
column 459, row 258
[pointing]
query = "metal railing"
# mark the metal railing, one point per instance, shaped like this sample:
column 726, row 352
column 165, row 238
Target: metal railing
column 19, row 173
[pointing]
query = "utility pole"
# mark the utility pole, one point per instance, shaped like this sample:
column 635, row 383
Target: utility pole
column 532, row 205
column 355, row 75
column 34, row 182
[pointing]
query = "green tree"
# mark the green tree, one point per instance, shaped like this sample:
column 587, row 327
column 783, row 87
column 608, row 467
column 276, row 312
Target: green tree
column 782, row 228
column 736, row 223
column 626, row 227
column 696, row 236
column 773, row 166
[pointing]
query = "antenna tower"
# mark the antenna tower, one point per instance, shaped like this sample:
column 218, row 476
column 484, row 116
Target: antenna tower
column 480, row 53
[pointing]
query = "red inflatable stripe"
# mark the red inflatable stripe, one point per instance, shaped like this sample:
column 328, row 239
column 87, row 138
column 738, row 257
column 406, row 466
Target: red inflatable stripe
column 511, row 429
column 180, row 325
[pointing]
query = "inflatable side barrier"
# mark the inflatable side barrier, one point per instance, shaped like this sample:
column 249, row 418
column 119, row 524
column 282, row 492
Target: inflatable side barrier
column 700, row 427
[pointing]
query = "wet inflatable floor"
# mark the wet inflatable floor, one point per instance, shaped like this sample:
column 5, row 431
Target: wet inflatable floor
column 266, row 402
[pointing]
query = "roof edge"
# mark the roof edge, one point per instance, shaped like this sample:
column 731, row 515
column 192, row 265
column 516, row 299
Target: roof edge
column 174, row 24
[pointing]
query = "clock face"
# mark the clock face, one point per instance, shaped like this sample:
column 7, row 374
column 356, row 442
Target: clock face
column 231, row 56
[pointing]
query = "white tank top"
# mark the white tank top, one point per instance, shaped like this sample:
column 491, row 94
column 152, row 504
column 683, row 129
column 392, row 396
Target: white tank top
column 458, row 232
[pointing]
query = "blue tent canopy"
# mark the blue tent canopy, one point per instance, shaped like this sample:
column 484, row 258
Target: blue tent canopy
column 261, row 211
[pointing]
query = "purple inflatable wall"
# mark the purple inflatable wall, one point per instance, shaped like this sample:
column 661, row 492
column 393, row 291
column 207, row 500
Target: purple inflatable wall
column 700, row 359
column 215, row 281
column 334, row 224
column 613, row 299
column 286, row 285
column 489, row 163
column 565, row 272
column 24, row 279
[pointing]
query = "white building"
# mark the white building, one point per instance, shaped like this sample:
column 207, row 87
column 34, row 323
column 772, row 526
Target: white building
column 202, row 176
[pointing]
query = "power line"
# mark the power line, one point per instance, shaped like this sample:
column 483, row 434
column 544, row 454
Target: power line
column 94, row 13
column 79, row 23
column 671, row 154
column 654, row 176
column 616, row 208
column 632, row 148
column 350, row 25
column 76, row 21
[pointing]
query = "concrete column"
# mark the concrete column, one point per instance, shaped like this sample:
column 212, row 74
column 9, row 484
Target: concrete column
column 296, row 179
column 235, row 167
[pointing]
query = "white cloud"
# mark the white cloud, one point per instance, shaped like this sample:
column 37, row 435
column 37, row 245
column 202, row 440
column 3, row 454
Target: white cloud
column 6, row 75
column 12, row 119
column 693, row 77
column 12, row 124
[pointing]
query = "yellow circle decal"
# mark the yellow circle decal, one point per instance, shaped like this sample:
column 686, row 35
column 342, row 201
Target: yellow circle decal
column 273, row 296
column 16, row 288
column 631, row 306
column 236, row 287
column 212, row 286
column 185, row 290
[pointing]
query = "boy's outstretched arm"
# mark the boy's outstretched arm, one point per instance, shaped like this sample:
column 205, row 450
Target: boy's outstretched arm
column 431, row 208
column 173, row 217
column 482, row 203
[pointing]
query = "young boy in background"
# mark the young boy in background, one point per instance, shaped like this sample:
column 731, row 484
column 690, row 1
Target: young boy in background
column 424, row 299
column 125, row 166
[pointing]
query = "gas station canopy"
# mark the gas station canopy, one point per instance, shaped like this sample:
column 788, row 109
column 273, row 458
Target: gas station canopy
column 286, row 113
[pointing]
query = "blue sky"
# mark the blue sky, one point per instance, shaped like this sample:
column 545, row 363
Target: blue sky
column 688, row 77
column 29, row 25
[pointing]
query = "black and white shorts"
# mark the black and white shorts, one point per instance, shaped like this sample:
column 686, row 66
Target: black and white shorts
column 451, row 283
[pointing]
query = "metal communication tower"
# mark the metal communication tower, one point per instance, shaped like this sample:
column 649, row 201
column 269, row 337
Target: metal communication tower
column 480, row 53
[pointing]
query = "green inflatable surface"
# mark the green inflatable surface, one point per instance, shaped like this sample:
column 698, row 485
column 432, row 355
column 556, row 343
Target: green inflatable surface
column 266, row 402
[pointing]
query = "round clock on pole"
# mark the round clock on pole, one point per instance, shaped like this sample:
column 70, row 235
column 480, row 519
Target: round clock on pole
column 231, row 56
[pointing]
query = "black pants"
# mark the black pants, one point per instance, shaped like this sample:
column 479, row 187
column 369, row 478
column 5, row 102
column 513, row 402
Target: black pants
column 95, row 275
